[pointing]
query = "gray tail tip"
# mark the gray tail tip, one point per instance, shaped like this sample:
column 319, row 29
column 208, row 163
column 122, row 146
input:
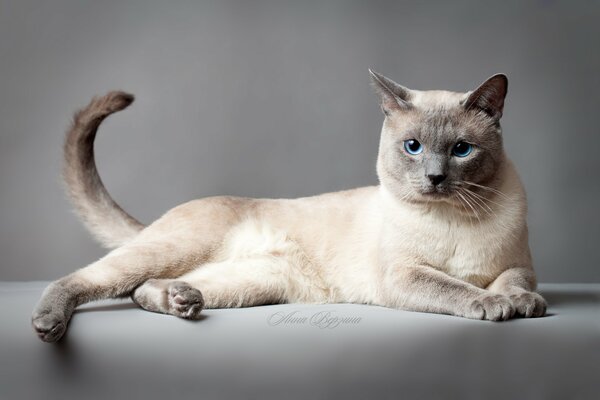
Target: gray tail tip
column 117, row 100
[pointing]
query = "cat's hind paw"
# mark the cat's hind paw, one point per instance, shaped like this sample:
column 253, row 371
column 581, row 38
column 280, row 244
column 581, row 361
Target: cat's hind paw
column 184, row 300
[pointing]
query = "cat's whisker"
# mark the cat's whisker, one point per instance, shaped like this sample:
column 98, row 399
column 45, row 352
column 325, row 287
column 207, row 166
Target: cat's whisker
column 487, row 209
column 470, row 205
column 405, row 196
column 493, row 202
column 477, row 215
column 460, row 201
column 496, row 191
column 464, row 205
column 475, row 204
column 457, row 189
column 484, row 198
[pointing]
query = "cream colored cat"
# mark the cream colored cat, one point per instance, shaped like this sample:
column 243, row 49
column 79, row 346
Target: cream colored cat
column 444, row 232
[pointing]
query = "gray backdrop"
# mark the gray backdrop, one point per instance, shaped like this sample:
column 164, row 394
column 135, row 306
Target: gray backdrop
column 272, row 99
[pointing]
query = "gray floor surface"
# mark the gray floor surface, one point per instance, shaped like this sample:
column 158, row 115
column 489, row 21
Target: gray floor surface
column 115, row 350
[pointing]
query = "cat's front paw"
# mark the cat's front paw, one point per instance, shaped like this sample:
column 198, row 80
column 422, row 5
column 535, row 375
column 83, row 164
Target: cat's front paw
column 491, row 307
column 50, row 326
column 529, row 304
column 184, row 300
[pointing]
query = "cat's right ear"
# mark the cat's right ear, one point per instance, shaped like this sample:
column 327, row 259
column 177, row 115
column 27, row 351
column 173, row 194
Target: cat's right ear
column 393, row 97
column 489, row 96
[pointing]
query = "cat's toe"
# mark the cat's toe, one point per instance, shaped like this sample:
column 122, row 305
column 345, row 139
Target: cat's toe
column 529, row 304
column 50, row 327
column 185, row 301
column 491, row 307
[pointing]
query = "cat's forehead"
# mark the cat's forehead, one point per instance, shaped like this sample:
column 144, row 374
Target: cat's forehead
column 436, row 99
column 439, row 115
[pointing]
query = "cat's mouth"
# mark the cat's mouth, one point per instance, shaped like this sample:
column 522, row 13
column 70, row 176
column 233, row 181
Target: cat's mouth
column 437, row 193
column 445, row 192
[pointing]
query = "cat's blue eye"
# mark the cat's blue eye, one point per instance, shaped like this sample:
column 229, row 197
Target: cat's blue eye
column 413, row 147
column 462, row 149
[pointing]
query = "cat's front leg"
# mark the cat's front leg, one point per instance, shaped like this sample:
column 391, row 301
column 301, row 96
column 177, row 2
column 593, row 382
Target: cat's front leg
column 519, row 285
column 426, row 289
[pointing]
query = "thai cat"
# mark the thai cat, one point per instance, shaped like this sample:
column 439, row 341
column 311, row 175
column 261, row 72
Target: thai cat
column 444, row 231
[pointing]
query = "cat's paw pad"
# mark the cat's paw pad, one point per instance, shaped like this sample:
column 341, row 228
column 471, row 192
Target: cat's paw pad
column 491, row 307
column 184, row 300
column 529, row 304
column 49, row 326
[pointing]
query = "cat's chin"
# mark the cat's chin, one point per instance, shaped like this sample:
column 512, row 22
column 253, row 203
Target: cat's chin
column 437, row 195
column 441, row 198
column 434, row 197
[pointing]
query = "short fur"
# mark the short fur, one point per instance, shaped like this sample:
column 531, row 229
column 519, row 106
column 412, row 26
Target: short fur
column 440, row 233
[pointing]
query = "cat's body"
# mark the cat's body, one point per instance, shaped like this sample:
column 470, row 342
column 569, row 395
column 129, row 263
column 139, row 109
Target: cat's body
column 442, row 232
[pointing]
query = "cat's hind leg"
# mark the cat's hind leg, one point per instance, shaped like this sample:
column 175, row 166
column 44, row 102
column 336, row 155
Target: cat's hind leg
column 172, row 246
column 259, row 265
column 169, row 296
column 227, row 284
column 115, row 275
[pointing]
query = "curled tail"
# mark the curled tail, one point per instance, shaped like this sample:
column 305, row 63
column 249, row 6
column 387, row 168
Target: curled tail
column 102, row 216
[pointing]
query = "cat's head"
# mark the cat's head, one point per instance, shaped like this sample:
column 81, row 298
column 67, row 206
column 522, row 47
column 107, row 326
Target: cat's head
column 435, row 144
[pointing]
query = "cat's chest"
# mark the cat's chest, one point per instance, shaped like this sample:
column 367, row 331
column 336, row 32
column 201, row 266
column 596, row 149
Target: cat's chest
column 468, row 250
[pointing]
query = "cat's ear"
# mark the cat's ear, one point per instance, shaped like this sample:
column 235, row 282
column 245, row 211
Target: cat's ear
column 393, row 97
column 489, row 96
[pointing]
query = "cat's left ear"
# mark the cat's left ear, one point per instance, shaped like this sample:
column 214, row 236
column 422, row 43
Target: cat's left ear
column 393, row 97
column 489, row 96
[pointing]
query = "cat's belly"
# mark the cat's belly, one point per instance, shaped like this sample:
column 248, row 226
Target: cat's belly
column 272, row 251
column 344, row 272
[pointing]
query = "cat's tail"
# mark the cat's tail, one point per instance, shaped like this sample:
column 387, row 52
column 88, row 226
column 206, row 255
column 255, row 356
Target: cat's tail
column 102, row 216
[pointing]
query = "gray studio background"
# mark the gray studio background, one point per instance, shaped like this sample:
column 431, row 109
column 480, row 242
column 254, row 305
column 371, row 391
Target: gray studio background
column 272, row 99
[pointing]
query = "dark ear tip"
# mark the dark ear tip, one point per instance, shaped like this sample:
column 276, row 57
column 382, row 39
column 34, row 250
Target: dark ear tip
column 500, row 77
column 374, row 74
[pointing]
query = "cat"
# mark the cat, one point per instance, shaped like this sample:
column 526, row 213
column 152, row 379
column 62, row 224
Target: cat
column 444, row 231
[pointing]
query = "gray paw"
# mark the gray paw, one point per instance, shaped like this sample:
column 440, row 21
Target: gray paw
column 492, row 307
column 52, row 313
column 49, row 326
column 529, row 304
column 184, row 300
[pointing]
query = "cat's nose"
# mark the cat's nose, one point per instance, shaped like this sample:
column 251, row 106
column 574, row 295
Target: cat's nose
column 436, row 179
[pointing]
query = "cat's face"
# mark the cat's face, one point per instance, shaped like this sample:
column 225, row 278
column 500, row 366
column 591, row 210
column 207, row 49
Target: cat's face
column 435, row 145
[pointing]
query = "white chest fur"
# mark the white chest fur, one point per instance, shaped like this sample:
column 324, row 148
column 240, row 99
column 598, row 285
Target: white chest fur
column 471, row 249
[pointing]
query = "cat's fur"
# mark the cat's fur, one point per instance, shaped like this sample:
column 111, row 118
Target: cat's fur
column 459, row 247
